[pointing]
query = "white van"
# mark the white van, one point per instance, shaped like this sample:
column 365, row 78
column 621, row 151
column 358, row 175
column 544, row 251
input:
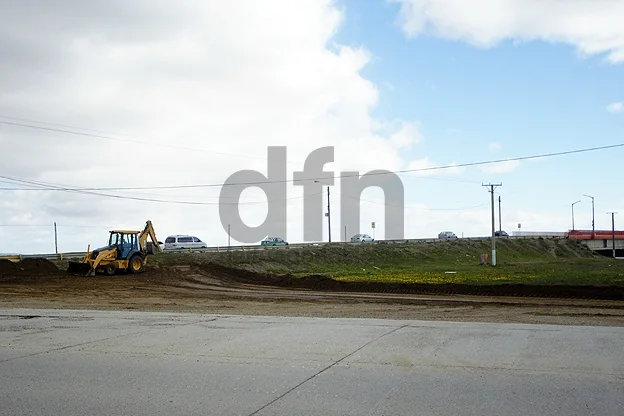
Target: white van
column 178, row 242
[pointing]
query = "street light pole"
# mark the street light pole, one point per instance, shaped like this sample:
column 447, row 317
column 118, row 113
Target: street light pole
column 593, row 224
column 573, row 213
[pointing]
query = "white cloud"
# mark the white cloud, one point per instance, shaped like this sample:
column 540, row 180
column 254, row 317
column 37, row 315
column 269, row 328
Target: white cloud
column 406, row 136
column 616, row 107
column 501, row 167
column 226, row 81
column 422, row 165
column 495, row 147
column 591, row 26
column 389, row 85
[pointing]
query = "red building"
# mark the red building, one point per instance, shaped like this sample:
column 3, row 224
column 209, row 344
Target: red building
column 595, row 235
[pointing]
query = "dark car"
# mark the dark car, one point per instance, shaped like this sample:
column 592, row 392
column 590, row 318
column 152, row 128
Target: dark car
column 501, row 234
column 273, row 241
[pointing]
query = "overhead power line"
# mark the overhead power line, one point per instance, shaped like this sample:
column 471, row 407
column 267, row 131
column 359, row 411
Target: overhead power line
column 48, row 186
column 60, row 225
column 57, row 125
column 87, row 192
column 262, row 202
column 163, row 195
column 396, row 172
column 35, row 183
column 108, row 133
column 108, row 137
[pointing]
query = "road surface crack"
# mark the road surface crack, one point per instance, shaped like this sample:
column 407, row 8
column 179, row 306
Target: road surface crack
column 281, row 396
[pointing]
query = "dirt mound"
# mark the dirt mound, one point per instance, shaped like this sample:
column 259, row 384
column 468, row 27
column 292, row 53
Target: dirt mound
column 30, row 267
column 38, row 266
column 7, row 267
column 324, row 283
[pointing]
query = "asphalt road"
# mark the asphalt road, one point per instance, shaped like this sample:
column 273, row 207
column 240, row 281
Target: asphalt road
column 120, row 363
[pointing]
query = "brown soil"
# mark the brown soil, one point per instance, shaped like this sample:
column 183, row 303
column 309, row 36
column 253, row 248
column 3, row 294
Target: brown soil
column 320, row 282
column 211, row 288
column 27, row 268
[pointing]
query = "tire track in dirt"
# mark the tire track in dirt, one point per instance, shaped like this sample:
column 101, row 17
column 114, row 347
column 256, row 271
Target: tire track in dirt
column 319, row 283
column 224, row 282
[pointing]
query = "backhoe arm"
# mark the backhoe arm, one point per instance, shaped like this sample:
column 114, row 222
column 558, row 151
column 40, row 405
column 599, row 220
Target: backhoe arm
column 148, row 231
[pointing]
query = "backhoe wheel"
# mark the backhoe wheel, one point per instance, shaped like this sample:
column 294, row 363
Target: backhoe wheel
column 136, row 264
column 110, row 269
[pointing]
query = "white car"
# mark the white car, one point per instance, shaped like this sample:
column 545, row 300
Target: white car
column 178, row 242
column 447, row 235
column 362, row 238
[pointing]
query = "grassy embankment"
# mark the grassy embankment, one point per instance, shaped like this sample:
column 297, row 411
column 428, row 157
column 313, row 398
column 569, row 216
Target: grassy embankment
column 533, row 261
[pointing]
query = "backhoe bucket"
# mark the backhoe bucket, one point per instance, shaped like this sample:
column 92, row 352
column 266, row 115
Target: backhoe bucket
column 79, row 268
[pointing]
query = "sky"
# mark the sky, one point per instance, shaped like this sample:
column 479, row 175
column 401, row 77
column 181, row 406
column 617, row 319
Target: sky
column 173, row 98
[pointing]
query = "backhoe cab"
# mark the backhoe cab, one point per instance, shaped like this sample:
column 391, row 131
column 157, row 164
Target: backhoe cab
column 126, row 251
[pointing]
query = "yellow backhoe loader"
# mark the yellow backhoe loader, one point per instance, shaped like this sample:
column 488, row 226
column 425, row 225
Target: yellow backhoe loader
column 126, row 251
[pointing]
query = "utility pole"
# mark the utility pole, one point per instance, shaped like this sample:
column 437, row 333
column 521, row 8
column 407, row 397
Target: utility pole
column 55, row 239
column 573, row 213
column 593, row 226
column 492, row 186
column 229, row 234
column 500, row 222
column 328, row 215
column 613, row 230
column 345, row 234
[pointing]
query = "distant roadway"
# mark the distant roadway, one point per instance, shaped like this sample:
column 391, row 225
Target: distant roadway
column 66, row 255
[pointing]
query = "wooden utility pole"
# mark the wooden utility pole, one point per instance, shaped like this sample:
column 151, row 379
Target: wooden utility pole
column 491, row 190
column 500, row 222
column 55, row 240
column 613, row 230
column 328, row 217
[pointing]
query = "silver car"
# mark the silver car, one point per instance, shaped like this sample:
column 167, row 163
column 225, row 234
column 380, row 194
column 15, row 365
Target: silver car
column 447, row 235
column 362, row 238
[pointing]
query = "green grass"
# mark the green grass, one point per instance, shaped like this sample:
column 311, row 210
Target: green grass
column 572, row 272
column 537, row 261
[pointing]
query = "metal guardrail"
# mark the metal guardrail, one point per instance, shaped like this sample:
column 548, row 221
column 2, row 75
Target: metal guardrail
column 59, row 256
column 219, row 249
